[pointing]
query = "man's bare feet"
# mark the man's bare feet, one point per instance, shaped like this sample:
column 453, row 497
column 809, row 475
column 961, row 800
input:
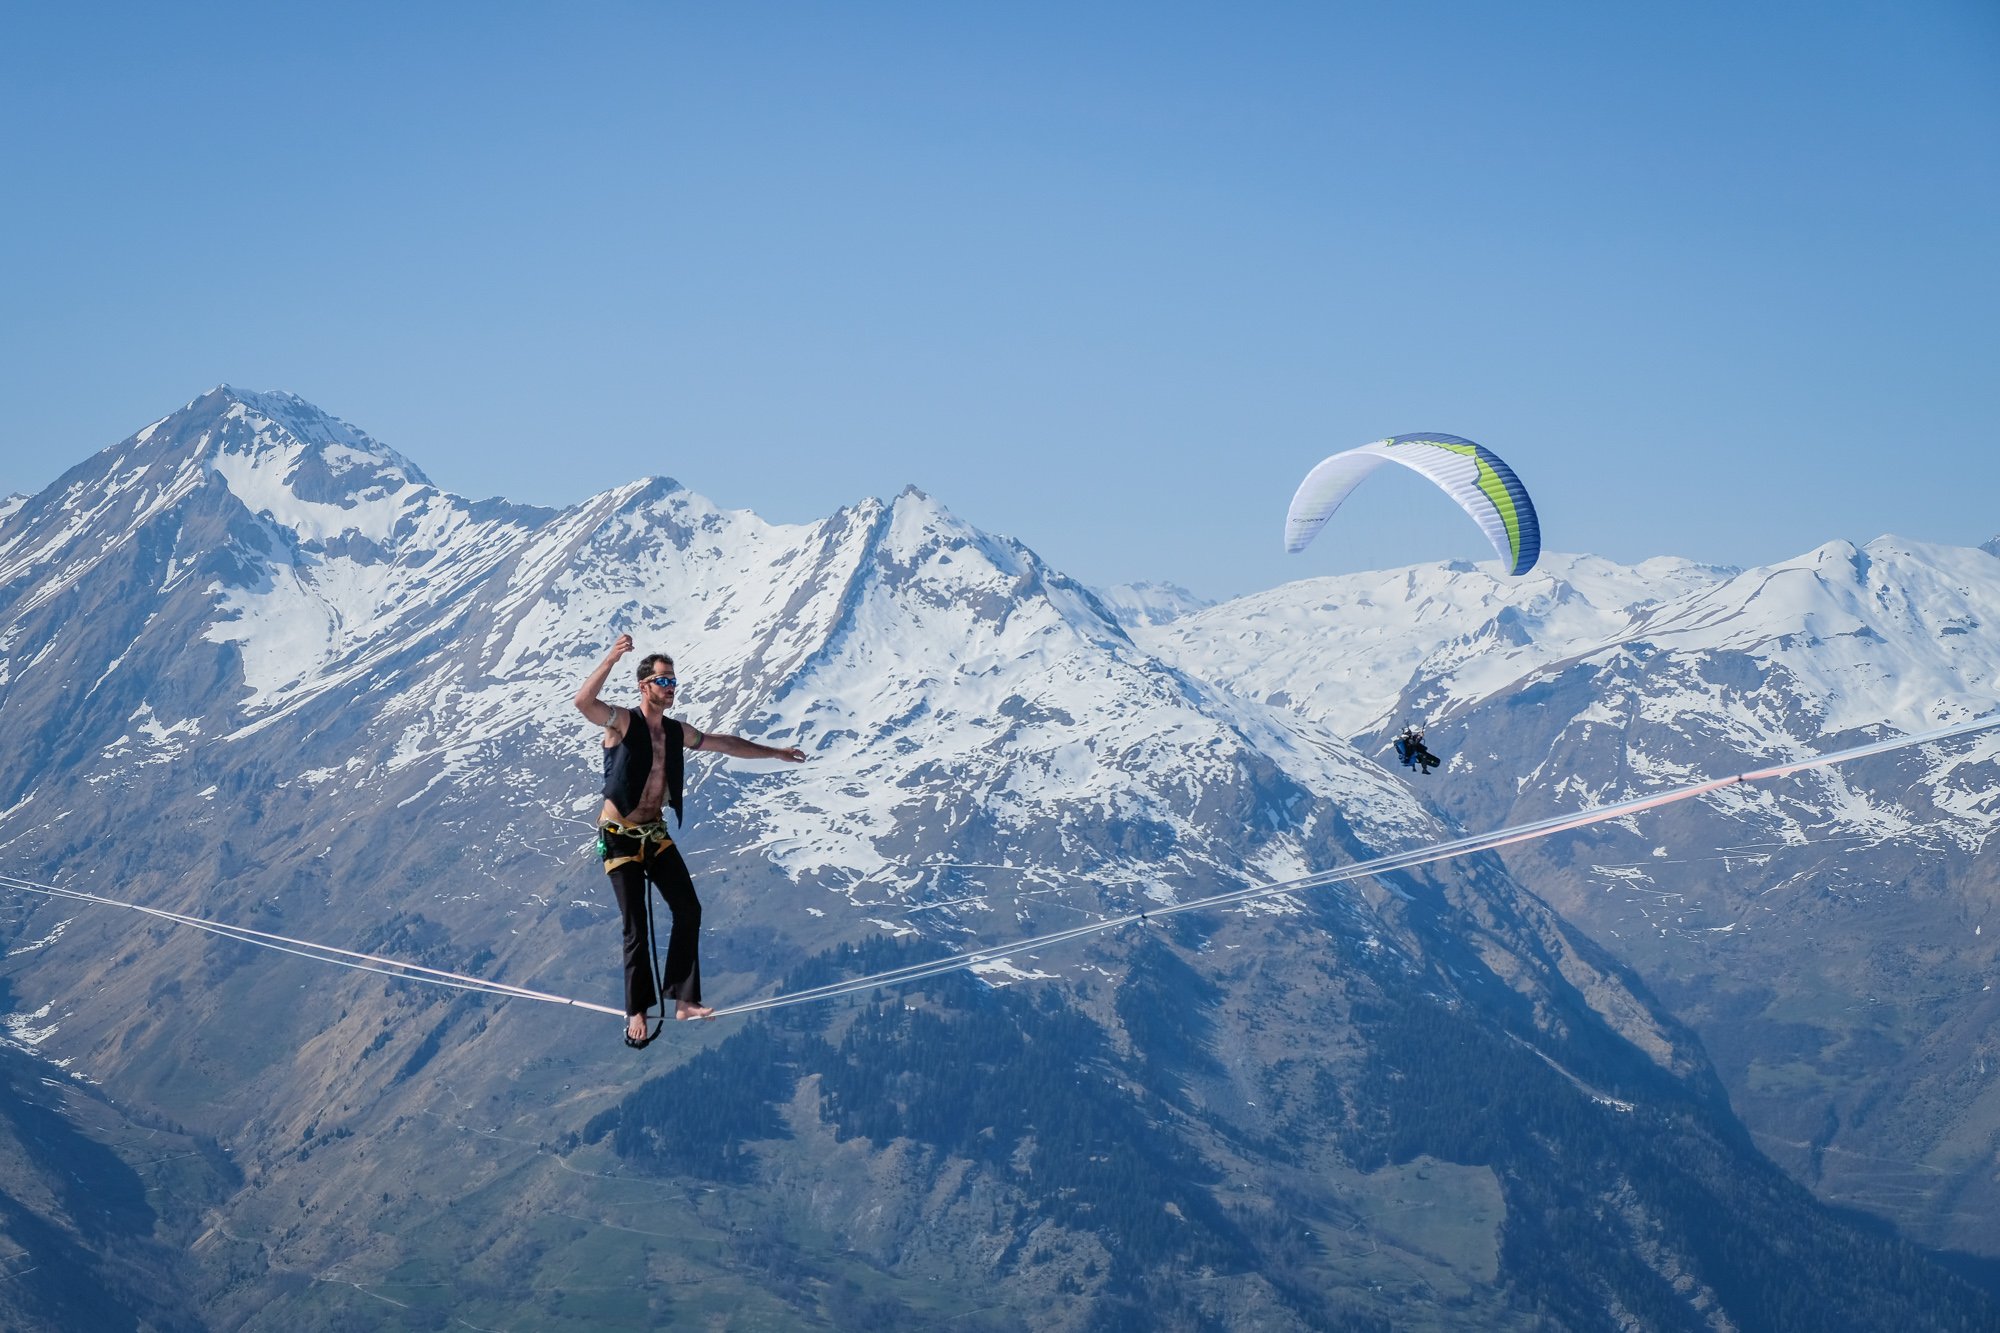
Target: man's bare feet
column 683, row 1011
column 635, row 1027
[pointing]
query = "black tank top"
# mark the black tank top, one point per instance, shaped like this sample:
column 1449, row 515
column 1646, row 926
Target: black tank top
column 629, row 763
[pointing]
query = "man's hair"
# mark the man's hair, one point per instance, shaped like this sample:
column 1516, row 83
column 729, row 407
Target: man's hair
column 648, row 669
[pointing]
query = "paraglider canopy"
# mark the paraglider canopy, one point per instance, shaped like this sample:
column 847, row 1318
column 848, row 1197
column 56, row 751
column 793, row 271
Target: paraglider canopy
column 1484, row 486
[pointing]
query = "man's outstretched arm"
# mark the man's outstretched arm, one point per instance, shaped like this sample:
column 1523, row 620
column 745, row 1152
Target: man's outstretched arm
column 587, row 701
column 738, row 748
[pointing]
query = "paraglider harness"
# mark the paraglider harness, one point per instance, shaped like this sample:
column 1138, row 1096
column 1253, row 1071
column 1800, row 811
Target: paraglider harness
column 1410, row 749
column 629, row 844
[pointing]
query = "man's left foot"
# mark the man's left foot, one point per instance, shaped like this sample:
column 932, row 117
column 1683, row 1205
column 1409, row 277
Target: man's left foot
column 687, row 1011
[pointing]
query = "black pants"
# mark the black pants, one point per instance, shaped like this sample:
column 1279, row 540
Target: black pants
column 669, row 874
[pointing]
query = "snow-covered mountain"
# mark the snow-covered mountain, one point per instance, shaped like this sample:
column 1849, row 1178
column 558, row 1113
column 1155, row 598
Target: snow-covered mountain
column 1865, row 888
column 1340, row 649
column 890, row 640
column 254, row 666
column 1151, row 603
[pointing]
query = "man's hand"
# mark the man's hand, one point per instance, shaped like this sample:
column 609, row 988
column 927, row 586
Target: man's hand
column 587, row 701
column 792, row 755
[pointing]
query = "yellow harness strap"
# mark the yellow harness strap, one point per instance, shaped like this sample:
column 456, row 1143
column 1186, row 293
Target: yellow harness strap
column 651, row 838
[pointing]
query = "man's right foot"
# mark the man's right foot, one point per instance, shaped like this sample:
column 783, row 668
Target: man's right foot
column 635, row 1027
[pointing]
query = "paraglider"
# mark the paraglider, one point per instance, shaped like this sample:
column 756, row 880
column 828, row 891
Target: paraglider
column 1484, row 486
column 1411, row 751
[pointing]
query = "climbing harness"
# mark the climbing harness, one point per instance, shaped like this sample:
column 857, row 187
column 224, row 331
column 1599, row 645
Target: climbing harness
column 651, row 838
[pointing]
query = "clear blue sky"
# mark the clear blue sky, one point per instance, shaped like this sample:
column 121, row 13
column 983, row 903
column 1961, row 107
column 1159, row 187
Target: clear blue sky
column 1720, row 280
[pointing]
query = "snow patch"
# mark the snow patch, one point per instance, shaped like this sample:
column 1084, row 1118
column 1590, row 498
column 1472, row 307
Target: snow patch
column 43, row 943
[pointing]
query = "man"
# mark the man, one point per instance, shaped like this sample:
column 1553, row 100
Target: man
column 642, row 778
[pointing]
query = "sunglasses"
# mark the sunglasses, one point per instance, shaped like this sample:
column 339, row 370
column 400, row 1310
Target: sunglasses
column 664, row 682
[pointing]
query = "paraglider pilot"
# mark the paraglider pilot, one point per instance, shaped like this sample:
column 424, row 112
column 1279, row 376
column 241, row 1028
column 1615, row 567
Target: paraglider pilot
column 642, row 779
column 1410, row 749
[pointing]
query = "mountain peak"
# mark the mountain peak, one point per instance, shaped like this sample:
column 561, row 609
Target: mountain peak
column 915, row 518
column 1839, row 551
column 925, row 507
column 283, row 456
column 284, row 421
